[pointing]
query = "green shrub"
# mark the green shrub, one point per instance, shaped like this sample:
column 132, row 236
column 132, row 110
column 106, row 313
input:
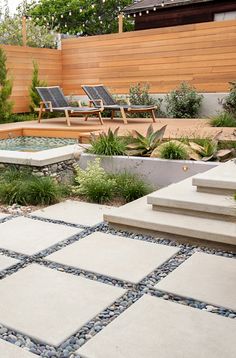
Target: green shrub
column 183, row 102
column 130, row 187
column 224, row 119
column 174, row 151
column 94, row 183
column 6, row 104
column 229, row 102
column 23, row 188
column 139, row 95
column 98, row 186
column 36, row 82
column 107, row 144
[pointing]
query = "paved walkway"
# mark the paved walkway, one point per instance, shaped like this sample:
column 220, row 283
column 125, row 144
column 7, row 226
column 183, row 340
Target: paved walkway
column 71, row 287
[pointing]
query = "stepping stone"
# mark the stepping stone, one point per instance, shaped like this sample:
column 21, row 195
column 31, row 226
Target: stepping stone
column 74, row 212
column 6, row 262
column 207, row 278
column 49, row 305
column 114, row 256
column 8, row 350
column 28, row 236
column 153, row 328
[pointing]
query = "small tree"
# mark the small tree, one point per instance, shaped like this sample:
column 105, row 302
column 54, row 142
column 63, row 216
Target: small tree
column 229, row 102
column 36, row 82
column 5, row 90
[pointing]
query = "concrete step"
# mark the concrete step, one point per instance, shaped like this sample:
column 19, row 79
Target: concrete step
column 138, row 216
column 220, row 180
column 183, row 198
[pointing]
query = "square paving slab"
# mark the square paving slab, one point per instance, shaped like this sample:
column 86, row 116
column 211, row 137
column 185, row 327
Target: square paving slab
column 204, row 277
column 8, row 350
column 75, row 212
column 114, row 256
column 6, row 262
column 154, row 328
column 29, row 236
column 49, row 305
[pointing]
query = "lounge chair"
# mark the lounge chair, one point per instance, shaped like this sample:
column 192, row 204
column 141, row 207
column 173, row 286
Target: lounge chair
column 53, row 100
column 100, row 97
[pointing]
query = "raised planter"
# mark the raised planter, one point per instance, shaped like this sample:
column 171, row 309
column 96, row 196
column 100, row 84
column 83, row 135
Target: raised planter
column 158, row 172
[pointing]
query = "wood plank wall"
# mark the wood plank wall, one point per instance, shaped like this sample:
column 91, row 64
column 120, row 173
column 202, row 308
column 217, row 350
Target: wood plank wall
column 20, row 66
column 202, row 54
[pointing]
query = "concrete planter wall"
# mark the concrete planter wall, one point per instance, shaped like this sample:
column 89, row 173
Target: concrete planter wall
column 158, row 172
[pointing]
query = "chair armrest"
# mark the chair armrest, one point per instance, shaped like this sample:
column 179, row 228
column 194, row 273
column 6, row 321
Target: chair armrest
column 43, row 104
column 99, row 101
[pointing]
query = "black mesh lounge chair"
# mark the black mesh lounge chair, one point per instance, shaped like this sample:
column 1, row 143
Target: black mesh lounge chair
column 101, row 98
column 53, row 100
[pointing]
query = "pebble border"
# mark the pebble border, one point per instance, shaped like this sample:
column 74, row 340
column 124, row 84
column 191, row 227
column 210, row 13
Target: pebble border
column 134, row 291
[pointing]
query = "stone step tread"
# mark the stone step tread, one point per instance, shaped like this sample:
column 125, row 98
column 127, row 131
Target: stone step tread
column 184, row 195
column 221, row 177
column 140, row 215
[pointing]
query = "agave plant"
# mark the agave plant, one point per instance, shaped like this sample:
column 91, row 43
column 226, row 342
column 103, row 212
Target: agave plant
column 144, row 145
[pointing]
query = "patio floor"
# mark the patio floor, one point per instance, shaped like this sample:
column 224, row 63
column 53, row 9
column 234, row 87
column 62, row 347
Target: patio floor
column 176, row 128
column 74, row 288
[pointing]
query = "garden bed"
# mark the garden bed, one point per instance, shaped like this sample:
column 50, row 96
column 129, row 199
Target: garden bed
column 155, row 171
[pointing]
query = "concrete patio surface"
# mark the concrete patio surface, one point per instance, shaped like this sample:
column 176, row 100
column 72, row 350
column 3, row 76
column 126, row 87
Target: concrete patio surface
column 95, row 292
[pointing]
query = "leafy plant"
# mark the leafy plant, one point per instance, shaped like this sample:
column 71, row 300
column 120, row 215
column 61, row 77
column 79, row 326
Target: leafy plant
column 173, row 150
column 94, row 183
column 36, row 82
column 37, row 36
column 98, row 186
column 224, row 119
column 6, row 104
column 23, row 188
column 229, row 102
column 144, row 145
column 183, row 102
column 107, row 144
column 139, row 95
column 131, row 187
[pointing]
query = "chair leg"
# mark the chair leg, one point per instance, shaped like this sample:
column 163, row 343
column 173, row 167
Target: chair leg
column 86, row 118
column 67, row 117
column 100, row 117
column 112, row 115
column 153, row 116
column 123, row 114
column 40, row 114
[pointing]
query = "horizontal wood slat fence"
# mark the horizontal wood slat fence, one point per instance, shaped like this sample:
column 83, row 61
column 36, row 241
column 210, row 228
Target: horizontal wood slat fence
column 20, row 67
column 202, row 54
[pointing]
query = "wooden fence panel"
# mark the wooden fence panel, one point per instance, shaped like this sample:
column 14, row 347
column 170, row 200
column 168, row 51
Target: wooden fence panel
column 20, row 66
column 202, row 54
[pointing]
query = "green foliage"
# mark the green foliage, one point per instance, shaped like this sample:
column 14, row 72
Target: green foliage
column 37, row 36
column 6, row 104
column 107, row 144
column 130, row 187
column 36, row 82
column 229, row 102
column 173, row 150
column 235, row 196
column 139, row 95
column 144, row 145
column 183, row 102
column 224, row 119
column 87, row 17
column 23, row 188
column 22, row 117
column 94, row 183
column 98, row 186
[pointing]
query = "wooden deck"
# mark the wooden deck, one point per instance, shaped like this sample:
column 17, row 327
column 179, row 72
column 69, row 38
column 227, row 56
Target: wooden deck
column 57, row 127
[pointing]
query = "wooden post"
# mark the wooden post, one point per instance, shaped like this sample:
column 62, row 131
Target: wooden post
column 120, row 17
column 24, row 35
